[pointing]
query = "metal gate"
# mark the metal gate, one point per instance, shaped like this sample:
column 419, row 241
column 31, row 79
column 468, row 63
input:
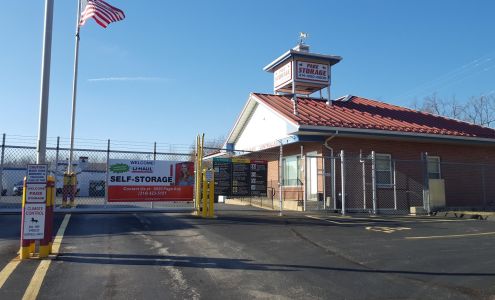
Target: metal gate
column 375, row 183
column 319, row 182
column 17, row 152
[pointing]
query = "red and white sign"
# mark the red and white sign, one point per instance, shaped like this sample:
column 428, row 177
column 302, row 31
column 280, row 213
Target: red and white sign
column 150, row 180
column 34, row 221
column 312, row 72
column 35, row 193
column 282, row 75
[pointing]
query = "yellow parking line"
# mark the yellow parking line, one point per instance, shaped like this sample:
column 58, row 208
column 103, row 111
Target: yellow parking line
column 60, row 234
column 7, row 270
column 448, row 236
column 35, row 285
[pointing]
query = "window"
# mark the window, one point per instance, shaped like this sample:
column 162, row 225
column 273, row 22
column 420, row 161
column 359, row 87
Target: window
column 433, row 167
column 290, row 165
column 383, row 169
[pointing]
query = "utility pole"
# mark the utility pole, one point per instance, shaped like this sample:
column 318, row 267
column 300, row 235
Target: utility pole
column 45, row 83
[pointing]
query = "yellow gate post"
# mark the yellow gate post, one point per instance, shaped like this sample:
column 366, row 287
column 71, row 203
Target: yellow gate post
column 211, row 206
column 204, row 202
column 198, row 174
column 45, row 244
column 27, row 246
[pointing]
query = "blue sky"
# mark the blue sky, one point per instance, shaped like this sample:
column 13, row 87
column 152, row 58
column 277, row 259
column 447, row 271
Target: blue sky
column 173, row 69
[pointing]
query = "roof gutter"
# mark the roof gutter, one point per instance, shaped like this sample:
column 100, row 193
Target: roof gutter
column 376, row 132
column 328, row 140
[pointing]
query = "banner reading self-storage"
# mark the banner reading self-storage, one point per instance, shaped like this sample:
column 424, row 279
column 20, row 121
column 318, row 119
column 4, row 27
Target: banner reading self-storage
column 149, row 180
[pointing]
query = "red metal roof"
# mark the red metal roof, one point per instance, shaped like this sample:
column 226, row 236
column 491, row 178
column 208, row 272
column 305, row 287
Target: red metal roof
column 362, row 113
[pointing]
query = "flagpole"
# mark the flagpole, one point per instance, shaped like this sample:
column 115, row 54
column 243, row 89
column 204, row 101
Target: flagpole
column 45, row 83
column 74, row 88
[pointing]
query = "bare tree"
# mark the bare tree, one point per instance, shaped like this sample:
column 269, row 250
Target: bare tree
column 479, row 110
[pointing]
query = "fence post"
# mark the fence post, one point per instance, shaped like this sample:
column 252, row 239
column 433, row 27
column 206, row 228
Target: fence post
column 373, row 180
column 280, row 177
column 342, row 175
column 426, row 183
column 106, row 173
column 1, row 165
column 483, row 184
column 363, row 163
column 395, row 185
column 154, row 152
column 154, row 158
column 334, row 182
column 56, row 169
column 323, row 162
column 305, row 191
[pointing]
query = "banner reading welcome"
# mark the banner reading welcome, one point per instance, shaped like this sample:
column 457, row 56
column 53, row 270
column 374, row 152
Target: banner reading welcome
column 149, row 180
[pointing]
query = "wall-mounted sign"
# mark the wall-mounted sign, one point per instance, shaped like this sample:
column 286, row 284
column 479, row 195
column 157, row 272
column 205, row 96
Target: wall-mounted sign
column 36, row 173
column 282, row 75
column 150, row 180
column 312, row 72
column 34, row 221
column 239, row 177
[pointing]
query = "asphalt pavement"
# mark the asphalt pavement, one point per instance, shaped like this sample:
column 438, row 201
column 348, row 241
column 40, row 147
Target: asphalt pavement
column 256, row 254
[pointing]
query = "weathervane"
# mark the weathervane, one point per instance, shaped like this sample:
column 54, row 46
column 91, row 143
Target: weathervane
column 302, row 37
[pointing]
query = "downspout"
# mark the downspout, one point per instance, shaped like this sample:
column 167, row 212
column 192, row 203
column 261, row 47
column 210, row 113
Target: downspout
column 332, row 166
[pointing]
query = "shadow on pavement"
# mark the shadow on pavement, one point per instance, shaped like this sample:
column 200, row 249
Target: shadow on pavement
column 228, row 264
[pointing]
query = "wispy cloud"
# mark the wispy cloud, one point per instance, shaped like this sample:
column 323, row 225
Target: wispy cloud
column 137, row 78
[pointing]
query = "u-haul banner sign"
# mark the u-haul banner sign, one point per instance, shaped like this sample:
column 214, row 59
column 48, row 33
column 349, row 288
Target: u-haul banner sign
column 149, row 180
column 309, row 71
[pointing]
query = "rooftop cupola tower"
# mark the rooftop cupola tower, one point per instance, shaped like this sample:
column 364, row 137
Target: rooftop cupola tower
column 300, row 72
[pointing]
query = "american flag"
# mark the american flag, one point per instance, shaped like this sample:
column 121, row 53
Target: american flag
column 102, row 12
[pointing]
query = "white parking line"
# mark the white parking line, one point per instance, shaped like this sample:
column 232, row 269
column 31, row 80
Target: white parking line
column 339, row 223
column 372, row 220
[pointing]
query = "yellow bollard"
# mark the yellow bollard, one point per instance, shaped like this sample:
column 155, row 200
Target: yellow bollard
column 204, row 202
column 27, row 246
column 45, row 248
column 211, row 206
column 197, row 183
column 51, row 193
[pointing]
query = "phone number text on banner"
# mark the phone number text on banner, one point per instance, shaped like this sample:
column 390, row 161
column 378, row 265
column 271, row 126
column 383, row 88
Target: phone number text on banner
column 149, row 180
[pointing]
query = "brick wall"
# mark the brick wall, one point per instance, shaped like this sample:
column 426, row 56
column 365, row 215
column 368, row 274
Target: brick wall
column 466, row 182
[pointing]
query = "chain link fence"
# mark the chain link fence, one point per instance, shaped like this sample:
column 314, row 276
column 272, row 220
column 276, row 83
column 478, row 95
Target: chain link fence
column 372, row 183
column 347, row 182
column 91, row 187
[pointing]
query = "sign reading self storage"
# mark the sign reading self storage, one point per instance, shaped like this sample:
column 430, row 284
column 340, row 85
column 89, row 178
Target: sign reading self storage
column 149, row 180
column 239, row 177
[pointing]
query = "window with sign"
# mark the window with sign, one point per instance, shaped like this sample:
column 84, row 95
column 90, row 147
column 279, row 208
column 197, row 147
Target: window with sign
column 290, row 166
column 383, row 169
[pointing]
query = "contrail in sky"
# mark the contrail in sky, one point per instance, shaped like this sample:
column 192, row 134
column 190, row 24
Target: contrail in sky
column 138, row 78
